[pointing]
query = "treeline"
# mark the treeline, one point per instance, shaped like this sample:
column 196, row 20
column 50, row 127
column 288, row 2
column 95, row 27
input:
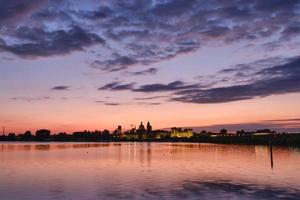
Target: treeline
column 278, row 139
column 44, row 135
column 223, row 137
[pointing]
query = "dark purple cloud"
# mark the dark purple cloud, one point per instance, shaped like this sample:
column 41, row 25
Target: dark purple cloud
column 13, row 11
column 149, row 88
column 255, row 82
column 60, row 87
column 117, row 63
column 117, row 86
column 41, row 43
column 141, row 32
column 111, row 104
column 150, row 71
column 158, row 87
column 274, row 80
column 150, row 98
column 8, row 58
column 31, row 99
column 108, row 103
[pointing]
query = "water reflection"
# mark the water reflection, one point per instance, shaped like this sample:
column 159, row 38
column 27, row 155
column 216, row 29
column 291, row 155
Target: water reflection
column 51, row 146
column 147, row 171
column 271, row 155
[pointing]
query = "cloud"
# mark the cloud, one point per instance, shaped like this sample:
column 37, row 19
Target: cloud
column 277, row 5
column 60, row 87
column 141, row 32
column 290, row 32
column 116, row 64
column 117, row 86
column 108, row 103
column 283, row 120
column 98, row 14
column 13, row 11
column 31, row 99
column 264, row 78
column 153, row 103
column 157, row 87
column 41, row 43
column 280, row 79
column 149, row 88
column 128, row 103
column 150, row 71
column 8, row 58
column 111, row 104
column 150, row 98
column 266, row 124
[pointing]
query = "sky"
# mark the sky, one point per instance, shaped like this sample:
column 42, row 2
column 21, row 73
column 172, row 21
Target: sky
column 70, row 65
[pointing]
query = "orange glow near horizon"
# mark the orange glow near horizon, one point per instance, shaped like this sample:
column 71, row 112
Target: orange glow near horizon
column 77, row 116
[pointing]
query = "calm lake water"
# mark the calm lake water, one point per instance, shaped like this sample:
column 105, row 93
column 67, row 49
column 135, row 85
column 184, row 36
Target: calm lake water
column 91, row 171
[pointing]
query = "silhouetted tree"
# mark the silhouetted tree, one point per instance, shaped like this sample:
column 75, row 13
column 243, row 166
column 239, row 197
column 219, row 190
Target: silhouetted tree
column 105, row 135
column 43, row 135
column 62, row 137
column 12, row 137
column 223, row 132
column 240, row 133
column 27, row 136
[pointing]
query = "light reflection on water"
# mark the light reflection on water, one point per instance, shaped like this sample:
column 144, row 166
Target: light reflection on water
column 146, row 171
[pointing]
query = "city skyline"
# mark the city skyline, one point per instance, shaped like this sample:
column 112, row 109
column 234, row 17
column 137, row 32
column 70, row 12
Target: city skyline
column 72, row 65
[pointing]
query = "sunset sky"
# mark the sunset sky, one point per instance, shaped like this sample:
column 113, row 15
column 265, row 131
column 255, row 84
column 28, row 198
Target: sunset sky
column 70, row 65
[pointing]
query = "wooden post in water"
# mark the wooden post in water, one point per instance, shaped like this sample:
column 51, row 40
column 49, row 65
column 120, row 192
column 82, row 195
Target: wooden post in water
column 271, row 150
column 3, row 131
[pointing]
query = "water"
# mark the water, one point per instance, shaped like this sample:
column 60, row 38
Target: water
column 91, row 171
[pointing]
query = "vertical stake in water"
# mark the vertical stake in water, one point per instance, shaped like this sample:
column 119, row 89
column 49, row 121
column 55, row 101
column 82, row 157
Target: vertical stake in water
column 271, row 151
column 3, row 131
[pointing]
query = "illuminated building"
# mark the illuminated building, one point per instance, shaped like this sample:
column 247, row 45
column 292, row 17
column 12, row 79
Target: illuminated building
column 181, row 133
column 161, row 134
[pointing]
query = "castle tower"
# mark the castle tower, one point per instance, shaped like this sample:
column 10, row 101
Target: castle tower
column 149, row 127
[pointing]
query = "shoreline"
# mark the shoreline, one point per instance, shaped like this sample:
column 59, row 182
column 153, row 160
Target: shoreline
column 284, row 140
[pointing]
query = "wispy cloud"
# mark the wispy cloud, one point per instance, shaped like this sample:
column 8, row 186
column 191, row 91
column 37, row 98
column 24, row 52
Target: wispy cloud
column 31, row 99
column 150, row 71
column 60, row 87
column 112, row 104
column 284, row 120
column 150, row 98
column 280, row 77
column 158, row 87
column 8, row 58
column 107, row 103
column 117, row 86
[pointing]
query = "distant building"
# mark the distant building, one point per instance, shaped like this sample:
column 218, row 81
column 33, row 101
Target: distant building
column 149, row 128
column 181, row 133
column 141, row 129
column 117, row 133
column 161, row 134
column 119, row 130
